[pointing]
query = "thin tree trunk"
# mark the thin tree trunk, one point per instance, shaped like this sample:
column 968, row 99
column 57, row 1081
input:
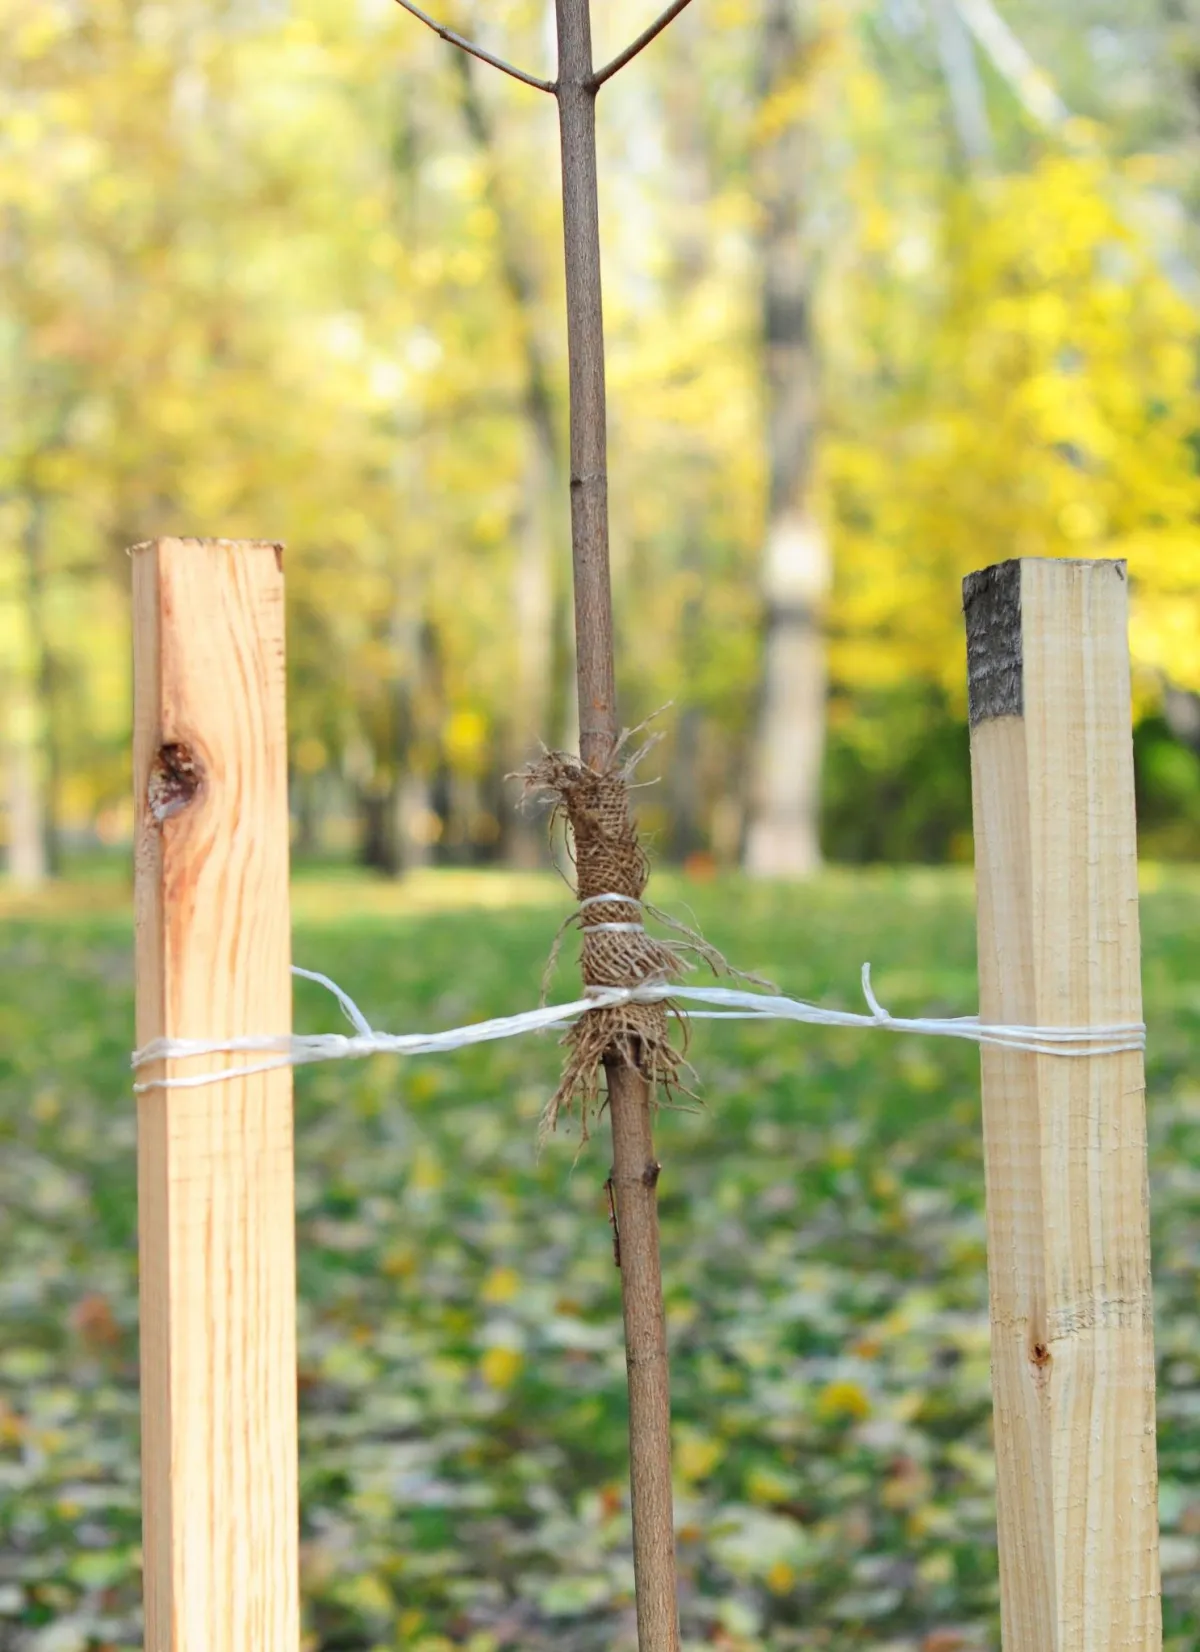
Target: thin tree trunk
column 595, row 671
column 635, row 1169
column 783, row 837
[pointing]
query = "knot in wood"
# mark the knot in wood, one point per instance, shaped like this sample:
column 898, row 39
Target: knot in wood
column 176, row 776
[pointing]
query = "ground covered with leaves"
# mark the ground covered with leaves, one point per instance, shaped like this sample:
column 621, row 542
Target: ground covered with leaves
column 461, row 1380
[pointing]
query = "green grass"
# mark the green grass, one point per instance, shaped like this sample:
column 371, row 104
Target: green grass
column 462, row 1383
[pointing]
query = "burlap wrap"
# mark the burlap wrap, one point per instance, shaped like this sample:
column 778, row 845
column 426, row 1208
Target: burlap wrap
column 609, row 860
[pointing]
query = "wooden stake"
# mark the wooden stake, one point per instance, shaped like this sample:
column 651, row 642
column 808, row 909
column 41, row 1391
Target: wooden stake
column 1064, row 1139
column 215, row 1180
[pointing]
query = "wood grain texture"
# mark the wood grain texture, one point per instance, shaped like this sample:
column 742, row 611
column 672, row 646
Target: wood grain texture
column 215, row 1174
column 1064, row 1140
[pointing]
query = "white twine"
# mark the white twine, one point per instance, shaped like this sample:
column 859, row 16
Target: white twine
column 614, row 928
column 298, row 1050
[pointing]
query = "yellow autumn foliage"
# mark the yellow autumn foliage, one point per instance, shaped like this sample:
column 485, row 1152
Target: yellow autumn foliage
column 1048, row 407
column 843, row 1400
column 500, row 1367
column 259, row 287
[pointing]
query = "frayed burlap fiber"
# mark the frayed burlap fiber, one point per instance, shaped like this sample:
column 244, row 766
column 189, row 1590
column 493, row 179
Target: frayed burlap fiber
column 611, row 872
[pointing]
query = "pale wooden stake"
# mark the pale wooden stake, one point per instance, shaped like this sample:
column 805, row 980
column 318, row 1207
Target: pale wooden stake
column 1064, row 1138
column 215, row 1179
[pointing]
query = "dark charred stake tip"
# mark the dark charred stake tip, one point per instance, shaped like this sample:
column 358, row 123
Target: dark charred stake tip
column 176, row 776
column 995, row 664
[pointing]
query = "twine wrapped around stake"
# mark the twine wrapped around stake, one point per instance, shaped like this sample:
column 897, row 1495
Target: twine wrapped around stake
column 611, row 872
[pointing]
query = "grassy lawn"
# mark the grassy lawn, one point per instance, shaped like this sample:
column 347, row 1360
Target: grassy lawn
column 462, row 1381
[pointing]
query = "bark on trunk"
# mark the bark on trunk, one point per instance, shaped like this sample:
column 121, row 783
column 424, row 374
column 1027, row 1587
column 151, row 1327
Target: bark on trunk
column 783, row 827
column 635, row 1170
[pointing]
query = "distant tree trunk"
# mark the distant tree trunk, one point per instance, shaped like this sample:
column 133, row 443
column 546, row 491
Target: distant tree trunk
column 533, row 607
column 395, row 807
column 688, row 826
column 687, row 835
column 1181, row 711
column 377, row 846
column 464, row 806
column 541, row 605
column 394, row 825
column 415, row 714
column 691, row 256
column 415, row 818
column 407, row 688
column 43, row 771
column 964, row 86
column 782, row 838
column 422, row 819
column 302, row 789
column 26, row 858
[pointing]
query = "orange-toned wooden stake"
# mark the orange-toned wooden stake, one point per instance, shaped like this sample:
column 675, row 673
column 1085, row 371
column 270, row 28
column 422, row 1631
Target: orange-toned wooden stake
column 216, row 1218
column 1064, row 1138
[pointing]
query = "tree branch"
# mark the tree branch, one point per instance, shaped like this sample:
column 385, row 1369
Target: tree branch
column 1009, row 57
column 630, row 52
column 478, row 51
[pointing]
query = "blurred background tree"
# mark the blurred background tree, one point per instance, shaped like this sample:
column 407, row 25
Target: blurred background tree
column 893, row 289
